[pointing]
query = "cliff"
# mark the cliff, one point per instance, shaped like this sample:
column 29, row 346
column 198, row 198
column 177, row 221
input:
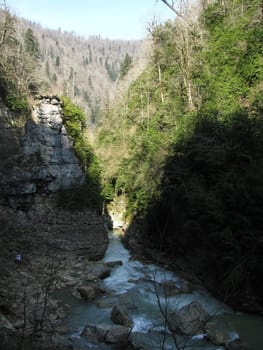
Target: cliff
column 42, row 159
column 37, row 161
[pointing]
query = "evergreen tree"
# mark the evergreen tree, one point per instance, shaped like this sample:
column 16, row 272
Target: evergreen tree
column 126, row 65
column 31, row 44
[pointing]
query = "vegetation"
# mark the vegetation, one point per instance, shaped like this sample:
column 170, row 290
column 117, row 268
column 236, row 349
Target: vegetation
column 89, row 193
column 125, row 65
column 184, row 144
column 190, row 130
column 18, row 64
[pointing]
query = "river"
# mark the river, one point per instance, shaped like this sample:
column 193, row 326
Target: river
column 134, row 283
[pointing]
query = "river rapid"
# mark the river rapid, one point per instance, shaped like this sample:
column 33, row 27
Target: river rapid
column 138, row 285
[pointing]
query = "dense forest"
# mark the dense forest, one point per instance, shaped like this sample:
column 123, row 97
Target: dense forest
column 185, row 147
column 86, row 70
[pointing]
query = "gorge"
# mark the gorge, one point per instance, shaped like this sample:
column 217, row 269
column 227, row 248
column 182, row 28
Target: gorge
column 103, row 144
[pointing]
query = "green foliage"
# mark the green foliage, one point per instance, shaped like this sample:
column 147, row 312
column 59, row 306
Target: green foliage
column 74, row 119
column 111, row 70
column 90, row 193
column 232, row 59
column 125, row 66
column 17, row 103
column 57, row 61
column 31, row 44
column 193, row 177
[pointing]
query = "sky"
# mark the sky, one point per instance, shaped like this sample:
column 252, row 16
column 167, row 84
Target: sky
column 113, row 19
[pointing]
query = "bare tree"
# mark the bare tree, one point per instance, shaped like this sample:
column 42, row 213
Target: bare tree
column 187, row 36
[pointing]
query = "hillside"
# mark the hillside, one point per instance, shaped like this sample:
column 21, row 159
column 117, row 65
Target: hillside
column 87, row 70
column 185, row 149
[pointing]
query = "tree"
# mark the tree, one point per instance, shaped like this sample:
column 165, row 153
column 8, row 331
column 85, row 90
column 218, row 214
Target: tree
column 188, row 37
column 125, row 65
column 31, row 44
column 57, row 61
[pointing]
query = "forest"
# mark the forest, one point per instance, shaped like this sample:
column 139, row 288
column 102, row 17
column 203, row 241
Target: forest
column 188, row 151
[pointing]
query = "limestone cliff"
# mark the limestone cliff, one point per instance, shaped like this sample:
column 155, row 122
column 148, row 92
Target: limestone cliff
column 43, row 160
column 37, row 160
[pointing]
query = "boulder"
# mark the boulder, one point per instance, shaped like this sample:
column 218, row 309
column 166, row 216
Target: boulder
column 238, row 345
column 95, row 333
column 90, row 292
column 107, row 334
column 113, row 264
column 220, row 333
column 188, row 320
column 98, row 271
column 118, row 335
column 119, row 315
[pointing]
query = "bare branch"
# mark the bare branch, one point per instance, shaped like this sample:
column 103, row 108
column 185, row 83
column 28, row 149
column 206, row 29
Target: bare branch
column 178, row 13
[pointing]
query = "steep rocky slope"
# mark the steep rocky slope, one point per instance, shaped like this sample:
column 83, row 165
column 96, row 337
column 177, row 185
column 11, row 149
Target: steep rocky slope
column 38, row 162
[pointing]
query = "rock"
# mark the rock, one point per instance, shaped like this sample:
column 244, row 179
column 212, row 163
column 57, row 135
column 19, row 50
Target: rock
column 188, row 320
column 98, row 271
column 96, row 333
column 113, row 264
column 220, row 333
column 119, row 315
column 90, row 292
column 186, row 287
column 106, row 333
column 47, row 161
column 4, row 323
column 170, row 288
column 118, row 335
column 238, row 345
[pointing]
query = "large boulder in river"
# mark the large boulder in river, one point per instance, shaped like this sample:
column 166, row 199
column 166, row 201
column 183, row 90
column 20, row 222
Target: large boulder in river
column 119, row 315
column 97, row 271
column 90, row 292
column 118, row 335
column 188, row 320
column 220, row 333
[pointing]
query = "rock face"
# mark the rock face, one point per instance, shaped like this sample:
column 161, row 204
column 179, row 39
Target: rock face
column 40, row 161
column 45, row 160
column 37, row 160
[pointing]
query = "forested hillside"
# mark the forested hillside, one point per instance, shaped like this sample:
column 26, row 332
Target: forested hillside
column 86, row 70
column 185, row 147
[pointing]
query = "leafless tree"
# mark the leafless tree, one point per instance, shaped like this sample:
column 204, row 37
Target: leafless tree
column 188, row 35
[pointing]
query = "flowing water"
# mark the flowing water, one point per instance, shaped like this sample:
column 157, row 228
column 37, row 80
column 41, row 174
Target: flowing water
column 137, row 285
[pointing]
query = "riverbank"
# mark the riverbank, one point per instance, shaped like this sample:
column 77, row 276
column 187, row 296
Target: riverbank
column 188, row 267
column 54, row 244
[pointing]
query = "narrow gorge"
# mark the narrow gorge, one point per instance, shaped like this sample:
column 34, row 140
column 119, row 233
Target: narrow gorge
column 131, row 182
